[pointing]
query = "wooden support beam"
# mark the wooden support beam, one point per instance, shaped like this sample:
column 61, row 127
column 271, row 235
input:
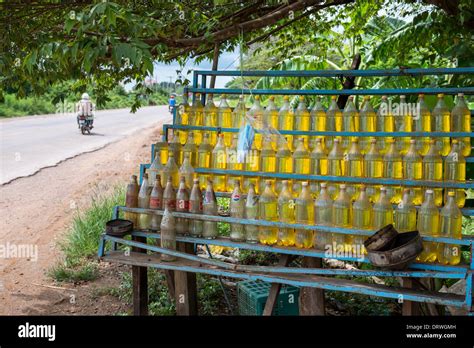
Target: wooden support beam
column 185, row 286
column 284, row 260
column 311, row 301
column 140, row 284
column 409, row 308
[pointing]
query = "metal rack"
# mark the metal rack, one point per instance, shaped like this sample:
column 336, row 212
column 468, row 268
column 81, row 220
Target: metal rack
column 314, row 278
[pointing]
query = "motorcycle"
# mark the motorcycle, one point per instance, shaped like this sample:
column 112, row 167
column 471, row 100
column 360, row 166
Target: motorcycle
column 85, row 125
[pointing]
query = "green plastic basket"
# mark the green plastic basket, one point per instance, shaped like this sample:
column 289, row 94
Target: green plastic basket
column 252, row 296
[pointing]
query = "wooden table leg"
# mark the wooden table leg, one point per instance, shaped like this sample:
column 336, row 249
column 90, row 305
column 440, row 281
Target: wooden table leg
column 312, row 299
column 140, row 284
column 284, row 260
column 185, row 286
column 409, row 307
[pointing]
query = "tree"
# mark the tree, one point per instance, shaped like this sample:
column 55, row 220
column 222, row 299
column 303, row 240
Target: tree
column 99, row 43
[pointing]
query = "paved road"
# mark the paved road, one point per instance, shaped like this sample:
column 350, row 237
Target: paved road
column 28, row 144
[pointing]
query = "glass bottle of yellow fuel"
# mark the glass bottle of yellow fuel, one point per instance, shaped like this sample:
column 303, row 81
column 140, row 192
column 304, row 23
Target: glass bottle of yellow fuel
column 319, row 165
column 268, row 210
column 422, row 123
column 256, row 111
column 237, row 210
column 393, row 169
column 144, row 202
column 270, row 115
column 354, row 167
column 183, row 118
column 161, row 147
column 428, row 225
column 335, row 166
column 209, row 207
column 252, row 164
column 373, row 168
column 323, row 217
column 461, row 122
column 210, row 117
column 333, row 122
column 385, row 123
column 286, row 213
column 350, row 121
column 301, row 163
column 440, row 122
column 318, row 120
column 204, row 160
column 403, row 123
column 191, row 149
column 219, row 159
column 238, row 114
column 342, row 216
column 187, row 171
column 304, row 214
column 232, row 163
column 383, row 210
column 405, row 214
column 433, row 170
column 170, row 170
column 155, row 169
column 302, row 120
column 196, row 117
column 451, row 227
column 284, row 162
column 285, row 120
column 131, row 199
column 413, row 170
column 455, row 170
column 224, row 119
column 267, row 159
column 363, row 216
column 176, row 148
column 367, row 121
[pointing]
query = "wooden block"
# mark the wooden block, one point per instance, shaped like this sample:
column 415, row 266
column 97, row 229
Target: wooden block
column 311, row 301
column 409, row 307
column 140, row 284
column 275, row 288
column 185, row 286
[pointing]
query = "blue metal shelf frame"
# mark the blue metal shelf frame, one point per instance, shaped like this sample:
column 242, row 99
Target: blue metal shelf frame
column 419, row 270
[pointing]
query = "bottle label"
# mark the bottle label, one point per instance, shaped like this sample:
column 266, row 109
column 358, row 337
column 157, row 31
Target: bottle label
column 236, row 197
column 155, row 203
column 131, row 201
column 183, row 205
column 195, row 206
column 208, row 197
column 171, row 203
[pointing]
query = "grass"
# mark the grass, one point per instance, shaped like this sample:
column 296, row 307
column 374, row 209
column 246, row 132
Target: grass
column 81, row 241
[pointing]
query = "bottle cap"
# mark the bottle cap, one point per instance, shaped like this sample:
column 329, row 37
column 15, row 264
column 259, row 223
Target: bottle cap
column 367, row 97
column 286, row 98
column 333, row 97
column 412, row 141
column 223, row 96
column 460, row 94
column 440, row 95
column 272, row 98
column 451, row 194
column 430, row 192
column 304, row 183
column 145, row 176
column 384, row 97
column 342, row 186
column 301, row 98
column 257, row 97
column 196, row 180
column 323, row 185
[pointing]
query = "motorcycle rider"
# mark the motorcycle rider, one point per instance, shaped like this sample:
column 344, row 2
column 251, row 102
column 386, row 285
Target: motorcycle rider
column 171, row 103
column 85, row 108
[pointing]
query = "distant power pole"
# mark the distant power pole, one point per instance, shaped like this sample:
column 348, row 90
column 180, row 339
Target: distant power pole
column 170, row 77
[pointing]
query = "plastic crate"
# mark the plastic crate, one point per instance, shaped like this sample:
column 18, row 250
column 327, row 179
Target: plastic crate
column 252, row 296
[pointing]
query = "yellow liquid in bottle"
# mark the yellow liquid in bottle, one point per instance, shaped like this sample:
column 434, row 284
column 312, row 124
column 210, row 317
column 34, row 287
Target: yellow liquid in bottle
column 204, row 161
column 268, row 208
column 286, row 212
column 362, row 220
column 383, row 211
column 413, row 170
column 304, row 214
column 342, row 215
column 428, row 225
column 232, row 164
column 393, row 168
column 455, row 170
column 461, row 122
column 451, row 227
column 440, row 122
column 334, row 121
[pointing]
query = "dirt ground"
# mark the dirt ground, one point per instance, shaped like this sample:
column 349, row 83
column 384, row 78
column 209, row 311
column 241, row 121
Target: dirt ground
column 37, row 210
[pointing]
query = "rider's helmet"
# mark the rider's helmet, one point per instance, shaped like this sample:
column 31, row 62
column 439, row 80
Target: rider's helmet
column 85, row 96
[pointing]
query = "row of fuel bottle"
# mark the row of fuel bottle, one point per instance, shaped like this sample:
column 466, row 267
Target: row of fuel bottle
column 390, row 117
column 341, row 212
column 336, row 162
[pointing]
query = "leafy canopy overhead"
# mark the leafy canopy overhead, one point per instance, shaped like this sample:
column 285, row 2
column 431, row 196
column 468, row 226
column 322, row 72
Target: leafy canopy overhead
column 102, row 43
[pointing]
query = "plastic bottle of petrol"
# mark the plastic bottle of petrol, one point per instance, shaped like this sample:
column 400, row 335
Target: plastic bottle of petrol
column 268, row 210
column 413, row 170
column 210, row 117
column 155, row 169
column 256, row 111
column 341, row 215
column 334, row 121
column 354, row 167
column 323, row 216
column 440, row 122
column 405, row 214
column 286, row 213
column 373, row 168
column 403, row 123
column 284, row 162
column 302, row 120
column 267, row 159
column 461, row 122
column 319, row 165
column 182, row 206
column 224, row 119
column 428, row 225
column 131, row 199
column 455, row 170
column 238, row 114
column 176, row 149
column 169, row 196
column 301, row 163
column 422, row 123
column 251, row 212
column 285, row 120
column 209, row 207
column 204, row 160
column 182, row 118
column 350, row 121
column 252, row 164
column 393, row 169
column 432, row 164
column 451, row 227
column 270, row 115
column 161, row 147
column 367, row 118
column 195, row 207
column 385, row 123
column 197, row 117
column 335, row 166
column 219, row 159
column 383, row 210
column 237, row 210
column 156, row 202
column 144, row 203
column 187, row 171
column 304, row 214
column 362, row 219
column 191, row 149
column 168, row 234
column 170, row 171
column 232, row 163
column 318, row 119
